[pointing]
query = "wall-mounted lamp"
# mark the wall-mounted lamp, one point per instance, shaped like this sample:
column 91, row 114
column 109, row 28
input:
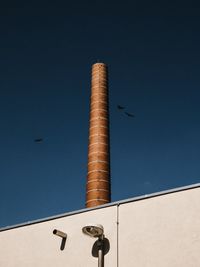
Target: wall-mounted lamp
column 59, row 233
column 62, row 235
column 96, row 231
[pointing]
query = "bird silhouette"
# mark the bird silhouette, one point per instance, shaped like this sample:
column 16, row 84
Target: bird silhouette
column 129, row 114
column 120, row 107
column 38, row 140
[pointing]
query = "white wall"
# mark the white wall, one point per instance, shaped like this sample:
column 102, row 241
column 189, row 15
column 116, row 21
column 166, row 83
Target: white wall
column 161, row 231
column 36, row 246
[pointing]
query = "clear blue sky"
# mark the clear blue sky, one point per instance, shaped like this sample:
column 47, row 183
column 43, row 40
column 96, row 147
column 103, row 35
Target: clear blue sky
column 46, row 52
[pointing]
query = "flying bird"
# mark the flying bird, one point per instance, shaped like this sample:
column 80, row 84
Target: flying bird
column 120, row 107
column 129, row 114
column 38, row 140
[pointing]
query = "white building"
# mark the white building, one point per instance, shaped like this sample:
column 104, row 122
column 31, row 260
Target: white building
column 157, row 230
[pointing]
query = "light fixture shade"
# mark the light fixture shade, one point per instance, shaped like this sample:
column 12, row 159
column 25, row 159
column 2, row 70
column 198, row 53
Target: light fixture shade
column 93, row 230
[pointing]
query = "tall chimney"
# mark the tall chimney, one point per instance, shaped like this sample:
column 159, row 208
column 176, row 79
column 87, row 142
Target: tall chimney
column 98, row 176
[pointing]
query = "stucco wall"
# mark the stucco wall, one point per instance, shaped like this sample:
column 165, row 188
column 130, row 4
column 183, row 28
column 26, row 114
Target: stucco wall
column 160, row 231
column 36, row 246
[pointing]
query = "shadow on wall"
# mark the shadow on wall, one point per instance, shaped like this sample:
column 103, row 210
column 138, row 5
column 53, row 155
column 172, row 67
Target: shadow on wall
column 95, row 248
column 98, row 246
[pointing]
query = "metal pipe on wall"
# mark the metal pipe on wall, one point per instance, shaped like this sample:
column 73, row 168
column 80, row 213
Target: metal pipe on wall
column 101, row 253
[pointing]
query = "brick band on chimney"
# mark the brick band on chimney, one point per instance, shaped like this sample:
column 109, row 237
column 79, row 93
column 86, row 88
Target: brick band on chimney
column 98, row 176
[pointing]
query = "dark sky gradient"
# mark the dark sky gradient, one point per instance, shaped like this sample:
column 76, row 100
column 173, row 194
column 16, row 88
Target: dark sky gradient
column 46, row 52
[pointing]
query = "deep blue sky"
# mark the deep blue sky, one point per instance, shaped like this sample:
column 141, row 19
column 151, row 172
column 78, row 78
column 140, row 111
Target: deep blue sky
column 46, row 52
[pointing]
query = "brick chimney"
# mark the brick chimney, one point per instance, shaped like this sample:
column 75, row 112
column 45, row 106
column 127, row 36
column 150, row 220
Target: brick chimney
column 98, row 175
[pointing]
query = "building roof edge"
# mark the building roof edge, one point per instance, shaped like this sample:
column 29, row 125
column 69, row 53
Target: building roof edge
column 116, row 203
